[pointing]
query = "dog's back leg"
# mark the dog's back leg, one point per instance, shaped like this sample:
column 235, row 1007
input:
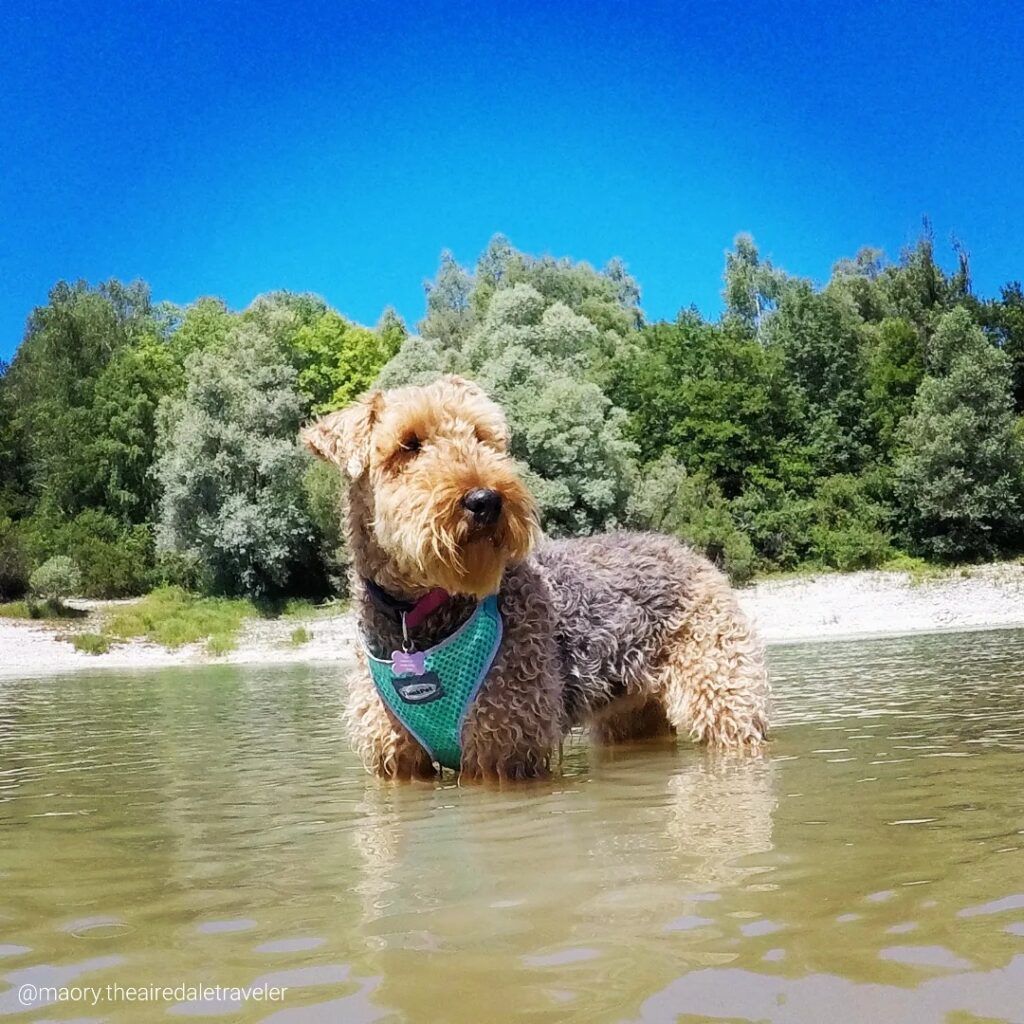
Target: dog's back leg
column 631, row 720
column 711, row 676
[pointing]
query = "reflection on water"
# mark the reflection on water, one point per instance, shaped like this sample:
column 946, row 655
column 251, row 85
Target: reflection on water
column 211, row 827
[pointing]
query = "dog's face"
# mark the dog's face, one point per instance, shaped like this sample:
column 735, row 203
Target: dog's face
column 444, row 503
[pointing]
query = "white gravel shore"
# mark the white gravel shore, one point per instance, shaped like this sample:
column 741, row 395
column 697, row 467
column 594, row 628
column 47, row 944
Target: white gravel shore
column 828, row 606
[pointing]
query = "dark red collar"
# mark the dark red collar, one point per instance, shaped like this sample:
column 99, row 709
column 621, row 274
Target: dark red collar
column 413, row 611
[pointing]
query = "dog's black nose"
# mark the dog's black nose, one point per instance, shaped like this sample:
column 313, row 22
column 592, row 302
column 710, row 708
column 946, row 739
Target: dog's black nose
column 484, row 505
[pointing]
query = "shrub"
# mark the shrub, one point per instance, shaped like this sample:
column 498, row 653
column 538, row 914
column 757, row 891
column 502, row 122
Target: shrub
column 692, row 508
column 172, row 617
column 300, row 636
column 115, row 560
column 324, row 492
column 776, row 521
column 90, row 643
column 847, row 531
column 55, row 580
column 14, row 563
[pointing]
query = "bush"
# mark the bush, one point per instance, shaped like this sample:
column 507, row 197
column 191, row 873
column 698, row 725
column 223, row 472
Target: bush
column 323, row 487
column 115, row 560
column 90, row 643
column 847, row 531
column 692, row 508
column 14, row 563
column 55, row 580
column 776, row 521
column 300, row 636
column 172, row 617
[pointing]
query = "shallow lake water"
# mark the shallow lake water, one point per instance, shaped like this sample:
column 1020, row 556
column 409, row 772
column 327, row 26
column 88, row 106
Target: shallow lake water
column 209, row 827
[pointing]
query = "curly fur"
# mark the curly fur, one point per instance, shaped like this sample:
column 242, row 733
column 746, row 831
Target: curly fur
column 632, row 635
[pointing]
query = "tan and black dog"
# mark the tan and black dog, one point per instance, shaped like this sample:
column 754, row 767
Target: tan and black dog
column 632, row 635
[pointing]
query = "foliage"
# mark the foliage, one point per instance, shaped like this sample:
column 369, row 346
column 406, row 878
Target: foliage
column 56, row 579
column 231, row 469
column 14, row 562
column 115, row 559
column 154, row 444
column 959, row 476
column 692, row 508
column 173, row 617
column 45, row 610
column 513, row 329
column 338, row 360
column 324, row 498
column 847, row 530
column 299, row 636
column 90, row 643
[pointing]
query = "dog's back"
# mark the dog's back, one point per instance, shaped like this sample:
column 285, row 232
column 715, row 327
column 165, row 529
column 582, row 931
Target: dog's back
column 617, row 597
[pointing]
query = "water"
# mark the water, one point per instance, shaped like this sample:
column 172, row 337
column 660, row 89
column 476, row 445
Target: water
column 210, row 827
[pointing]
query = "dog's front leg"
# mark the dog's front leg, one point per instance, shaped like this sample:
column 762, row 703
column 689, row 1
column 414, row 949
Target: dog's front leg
column 385, row 746
column 515, row 721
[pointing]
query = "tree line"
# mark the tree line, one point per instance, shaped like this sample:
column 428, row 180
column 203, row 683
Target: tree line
column 844, row 426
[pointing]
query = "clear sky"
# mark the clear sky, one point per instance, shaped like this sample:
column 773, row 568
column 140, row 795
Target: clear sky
column 231, row 148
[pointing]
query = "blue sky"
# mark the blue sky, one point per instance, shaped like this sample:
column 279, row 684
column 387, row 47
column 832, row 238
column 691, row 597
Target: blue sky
column 231, row 148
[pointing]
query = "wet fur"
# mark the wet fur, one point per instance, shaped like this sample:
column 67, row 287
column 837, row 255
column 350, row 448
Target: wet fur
column 632, row 635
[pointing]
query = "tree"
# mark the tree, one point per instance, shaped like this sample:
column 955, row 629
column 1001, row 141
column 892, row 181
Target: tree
column 709, row 395
column 822, row 344
column 52, row 380
column 959, row 475
column 1003, row 321
column 449, row 310
column 895, row 368
column 231, row 467
column 752, row 287
column 338, row 360
column 692, row 508
column 534, row 354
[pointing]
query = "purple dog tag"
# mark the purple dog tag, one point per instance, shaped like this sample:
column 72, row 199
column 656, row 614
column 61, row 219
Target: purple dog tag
column 408, row 663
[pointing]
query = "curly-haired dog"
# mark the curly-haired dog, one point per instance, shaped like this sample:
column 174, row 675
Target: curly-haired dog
column 633, row 635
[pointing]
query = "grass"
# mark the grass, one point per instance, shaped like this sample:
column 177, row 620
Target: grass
column 299, row 608
column 300, row 636
column 921, row 571
column 173, row 617
column 90, row 643
column 44, row 610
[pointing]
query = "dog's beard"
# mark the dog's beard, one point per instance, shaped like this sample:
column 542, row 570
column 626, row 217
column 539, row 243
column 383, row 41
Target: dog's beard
column 437, row 544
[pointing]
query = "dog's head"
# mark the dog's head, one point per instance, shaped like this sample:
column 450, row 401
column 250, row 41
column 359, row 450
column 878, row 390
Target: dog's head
column 433, row 485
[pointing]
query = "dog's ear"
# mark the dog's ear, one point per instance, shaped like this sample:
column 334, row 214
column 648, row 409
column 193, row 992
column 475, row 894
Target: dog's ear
column 343, row 437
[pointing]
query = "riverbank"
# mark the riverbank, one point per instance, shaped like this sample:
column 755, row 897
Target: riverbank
column 786, row 610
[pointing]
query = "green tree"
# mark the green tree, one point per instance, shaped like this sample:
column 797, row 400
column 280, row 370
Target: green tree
column 959, row 475
column 711, row 396
column 823, row 347
column 753, row 287
column 895, row 368
column 691, row 507
column 231, row 468
column 338, row 360
column 536, row 356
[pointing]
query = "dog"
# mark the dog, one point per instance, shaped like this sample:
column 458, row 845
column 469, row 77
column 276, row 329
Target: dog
column 632, row 635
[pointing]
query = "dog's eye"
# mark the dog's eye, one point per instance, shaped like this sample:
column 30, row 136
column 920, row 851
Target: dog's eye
column 410, row 444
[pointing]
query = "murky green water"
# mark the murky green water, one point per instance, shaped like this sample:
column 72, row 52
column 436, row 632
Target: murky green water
column 210, row 827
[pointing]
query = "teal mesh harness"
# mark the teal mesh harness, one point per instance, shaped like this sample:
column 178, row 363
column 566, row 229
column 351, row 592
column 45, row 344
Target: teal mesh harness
column 430, row 692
